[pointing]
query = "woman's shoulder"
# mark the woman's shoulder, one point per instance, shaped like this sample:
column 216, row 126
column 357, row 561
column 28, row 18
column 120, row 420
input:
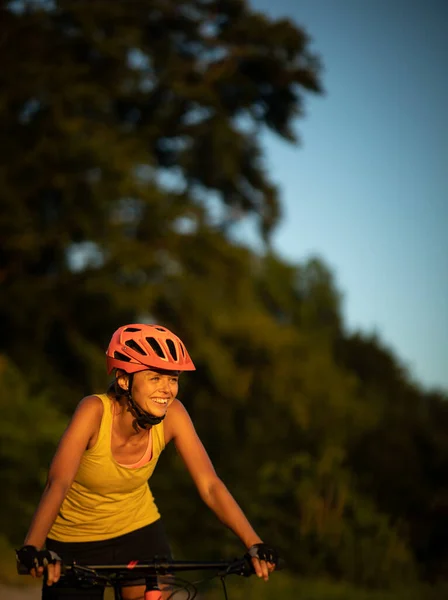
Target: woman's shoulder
column 94, row 401
column 88, row 416
column 91, row 407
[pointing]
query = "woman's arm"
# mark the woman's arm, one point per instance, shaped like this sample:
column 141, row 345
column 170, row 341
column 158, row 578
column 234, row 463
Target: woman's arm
column 84, row 424
column 211, row 488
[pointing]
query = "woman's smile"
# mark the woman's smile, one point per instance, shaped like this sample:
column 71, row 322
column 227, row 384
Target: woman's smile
column 160, row 401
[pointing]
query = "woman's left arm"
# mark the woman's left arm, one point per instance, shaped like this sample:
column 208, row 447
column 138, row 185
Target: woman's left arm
column 211, row 488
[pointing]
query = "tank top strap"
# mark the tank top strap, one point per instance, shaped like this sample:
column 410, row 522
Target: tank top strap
column 106, row 423
column 159, row 438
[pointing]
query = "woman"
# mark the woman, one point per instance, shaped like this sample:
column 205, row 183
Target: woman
column 97, row 506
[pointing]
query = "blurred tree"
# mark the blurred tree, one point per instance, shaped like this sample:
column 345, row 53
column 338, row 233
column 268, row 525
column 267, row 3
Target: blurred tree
column 29, row 430
column 276, row 413
column 119, row 122
column 401, row 461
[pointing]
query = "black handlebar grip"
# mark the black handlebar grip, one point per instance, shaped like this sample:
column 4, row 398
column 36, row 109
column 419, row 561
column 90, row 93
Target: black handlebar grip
column 21, row 569
column 281, row 565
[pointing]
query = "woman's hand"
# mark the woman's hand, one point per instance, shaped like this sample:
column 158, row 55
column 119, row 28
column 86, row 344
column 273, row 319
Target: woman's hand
column 37, row 561
column 264, row 559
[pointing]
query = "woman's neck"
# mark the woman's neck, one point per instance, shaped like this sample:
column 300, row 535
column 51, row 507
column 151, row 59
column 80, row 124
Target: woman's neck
column 124, row 421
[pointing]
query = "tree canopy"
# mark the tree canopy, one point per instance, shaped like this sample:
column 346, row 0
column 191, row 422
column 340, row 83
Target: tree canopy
column 119, row 121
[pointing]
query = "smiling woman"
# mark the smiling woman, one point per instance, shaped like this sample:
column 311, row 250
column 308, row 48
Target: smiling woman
column 97, row 506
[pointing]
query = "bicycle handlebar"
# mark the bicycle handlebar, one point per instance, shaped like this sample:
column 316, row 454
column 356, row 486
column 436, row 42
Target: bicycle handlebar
column 237, row 566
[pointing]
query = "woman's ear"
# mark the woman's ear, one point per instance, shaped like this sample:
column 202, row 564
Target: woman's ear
column 122, row 380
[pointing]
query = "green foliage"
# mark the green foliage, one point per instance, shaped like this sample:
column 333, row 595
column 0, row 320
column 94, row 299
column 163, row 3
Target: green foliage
column 117, row 121
column 291, row 587
column 287, row 412
column 29, row 429
column 401, row 461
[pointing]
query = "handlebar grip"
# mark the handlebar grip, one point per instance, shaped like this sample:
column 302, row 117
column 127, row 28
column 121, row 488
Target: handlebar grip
column 21, row 569
column 250, row 568
column 281, row 565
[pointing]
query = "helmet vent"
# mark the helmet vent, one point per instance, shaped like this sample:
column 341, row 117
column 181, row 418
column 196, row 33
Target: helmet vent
column 132, row 329
column 160, row 328
column 156, row 347
column 172, row 348
column 182, row 349
column 135, row 346
column 120, row 356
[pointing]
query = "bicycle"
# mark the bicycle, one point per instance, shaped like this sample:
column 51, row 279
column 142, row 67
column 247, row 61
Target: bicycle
column 116, row 575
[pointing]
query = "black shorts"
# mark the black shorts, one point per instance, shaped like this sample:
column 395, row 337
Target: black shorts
column 142, row 544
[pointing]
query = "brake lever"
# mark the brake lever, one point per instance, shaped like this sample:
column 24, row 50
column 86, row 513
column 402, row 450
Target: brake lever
column 240, row 566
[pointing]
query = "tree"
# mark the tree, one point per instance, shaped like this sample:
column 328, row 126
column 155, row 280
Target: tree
column 29, row 429
column 401, row 460
column 119, row 120
column 269, row 391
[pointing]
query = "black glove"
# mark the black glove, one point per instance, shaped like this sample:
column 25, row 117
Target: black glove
column 263, row 552
column 32, row 558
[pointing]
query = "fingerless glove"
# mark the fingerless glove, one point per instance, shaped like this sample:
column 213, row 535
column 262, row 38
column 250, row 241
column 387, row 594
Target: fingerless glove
column 263, row 552
column 32, row 558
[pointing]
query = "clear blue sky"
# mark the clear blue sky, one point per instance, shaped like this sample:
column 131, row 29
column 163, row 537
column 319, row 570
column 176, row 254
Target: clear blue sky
column 367, row 190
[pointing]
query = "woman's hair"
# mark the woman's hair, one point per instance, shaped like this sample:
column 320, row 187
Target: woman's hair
column 114, row 389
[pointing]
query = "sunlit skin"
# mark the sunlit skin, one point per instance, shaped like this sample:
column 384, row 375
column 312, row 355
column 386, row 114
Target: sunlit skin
column 155, row 392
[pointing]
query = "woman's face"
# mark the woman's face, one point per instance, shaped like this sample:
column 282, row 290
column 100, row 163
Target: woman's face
column 154, row 391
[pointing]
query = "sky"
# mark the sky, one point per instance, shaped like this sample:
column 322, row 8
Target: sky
column 367, row 188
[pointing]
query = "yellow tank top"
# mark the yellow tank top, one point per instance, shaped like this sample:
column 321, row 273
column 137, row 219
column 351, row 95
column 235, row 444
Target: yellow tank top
column 106, row 499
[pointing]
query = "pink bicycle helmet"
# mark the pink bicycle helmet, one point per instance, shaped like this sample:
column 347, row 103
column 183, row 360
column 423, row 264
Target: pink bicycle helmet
column 139, row 347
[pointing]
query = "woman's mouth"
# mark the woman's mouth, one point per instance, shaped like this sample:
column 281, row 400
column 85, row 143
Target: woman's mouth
column 160, row 401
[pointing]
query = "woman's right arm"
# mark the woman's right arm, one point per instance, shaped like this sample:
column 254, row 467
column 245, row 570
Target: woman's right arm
column 81, row 430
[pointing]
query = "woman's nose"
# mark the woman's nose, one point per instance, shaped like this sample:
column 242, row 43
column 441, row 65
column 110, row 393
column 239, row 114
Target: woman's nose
column 164, row 385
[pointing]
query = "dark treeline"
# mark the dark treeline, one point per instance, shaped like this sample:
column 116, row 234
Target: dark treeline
column 121, row 122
